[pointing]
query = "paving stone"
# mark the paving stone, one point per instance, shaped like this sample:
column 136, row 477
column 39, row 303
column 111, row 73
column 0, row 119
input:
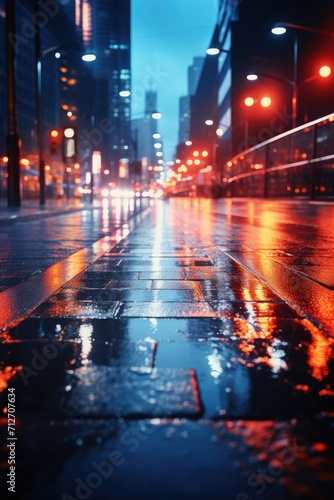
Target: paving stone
column 176, row 285
column 163, row 274
column 133, row 295
column 56, row 328
column 92, row 281
column 138, row 284
column 259, row 308
column 41, row 354
column 106, row 391
column 166, row 310
column 78, row 309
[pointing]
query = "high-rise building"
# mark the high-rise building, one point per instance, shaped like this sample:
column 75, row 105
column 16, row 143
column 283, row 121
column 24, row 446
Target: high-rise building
column 143, row 141
column 184, row 118
column 247, row 45
column 286, row 66
column 74, row 93
column 194, row 73
column 111, row 42
column 25, row 75
column 65, row 84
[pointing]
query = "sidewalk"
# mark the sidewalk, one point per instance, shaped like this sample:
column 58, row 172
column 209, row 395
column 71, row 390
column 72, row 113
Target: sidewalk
column 31, row 210
column 186, row 355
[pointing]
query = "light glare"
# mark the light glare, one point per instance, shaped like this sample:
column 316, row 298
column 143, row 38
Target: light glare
column 265, row 102
column 89, row 57
column 278, row 30
column 68, row 132
column 212, row 51
column 249, row 101
column 325, row 71
column 252, row 77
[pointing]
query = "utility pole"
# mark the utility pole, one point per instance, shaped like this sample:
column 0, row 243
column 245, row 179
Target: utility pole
column 13, row 149
column 91, row 149
column 39, row 124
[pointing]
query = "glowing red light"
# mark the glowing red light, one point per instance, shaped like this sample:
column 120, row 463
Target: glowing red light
column 325, row 71
column 249, row 101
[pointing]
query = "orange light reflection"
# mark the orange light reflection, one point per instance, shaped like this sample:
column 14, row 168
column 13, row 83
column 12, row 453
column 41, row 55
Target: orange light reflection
column 7, row 374
column 320, row 351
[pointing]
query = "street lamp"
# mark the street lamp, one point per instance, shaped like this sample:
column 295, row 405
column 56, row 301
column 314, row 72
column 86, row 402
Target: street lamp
column 215, row 45
column 156, row 115
column 152, row 116
column 280, row 29
column 252, row 77
column 88, row 57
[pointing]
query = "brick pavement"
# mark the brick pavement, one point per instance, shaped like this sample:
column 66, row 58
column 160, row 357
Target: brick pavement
column 171, row 370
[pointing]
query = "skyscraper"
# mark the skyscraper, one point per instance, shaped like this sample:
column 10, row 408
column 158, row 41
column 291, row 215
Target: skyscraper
column 194, row 73
column 104, row 27
column 111, row 41
column 247, row 45
column 143, row 140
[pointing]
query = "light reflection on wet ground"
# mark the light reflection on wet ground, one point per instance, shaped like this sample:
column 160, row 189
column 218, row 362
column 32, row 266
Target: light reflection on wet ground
column 190, row 350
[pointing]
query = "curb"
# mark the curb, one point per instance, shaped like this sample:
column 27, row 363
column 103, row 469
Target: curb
column 9, row 219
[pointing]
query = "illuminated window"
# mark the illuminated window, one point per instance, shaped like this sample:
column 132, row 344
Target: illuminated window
column 86, row 22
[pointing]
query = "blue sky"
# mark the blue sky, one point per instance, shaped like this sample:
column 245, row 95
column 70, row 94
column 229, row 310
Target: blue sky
column 166, row 35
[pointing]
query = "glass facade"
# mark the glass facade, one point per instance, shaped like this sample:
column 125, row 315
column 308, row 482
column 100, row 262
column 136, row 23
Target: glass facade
column 63, row 89
column 111, row 40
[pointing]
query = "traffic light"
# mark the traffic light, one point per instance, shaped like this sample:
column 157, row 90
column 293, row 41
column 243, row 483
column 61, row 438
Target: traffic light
column 53, row 141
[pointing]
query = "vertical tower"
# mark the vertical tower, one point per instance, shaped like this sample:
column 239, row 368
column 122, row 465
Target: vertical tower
column 227, row 15
column 111, row 41
column 194, row 73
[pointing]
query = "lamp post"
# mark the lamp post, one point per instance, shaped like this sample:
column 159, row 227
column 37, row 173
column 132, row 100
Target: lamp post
column 215, row 46
column 280, row 29
column 212, row 141
column 13, row 149
column 91, row 166
column 38, row 87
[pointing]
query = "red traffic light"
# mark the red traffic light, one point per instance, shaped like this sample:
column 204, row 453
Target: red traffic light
column 325, row 71
column 53, row 141
column 265, row 102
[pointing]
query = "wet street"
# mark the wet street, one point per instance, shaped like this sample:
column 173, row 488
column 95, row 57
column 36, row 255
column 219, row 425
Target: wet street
column 179, row 351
